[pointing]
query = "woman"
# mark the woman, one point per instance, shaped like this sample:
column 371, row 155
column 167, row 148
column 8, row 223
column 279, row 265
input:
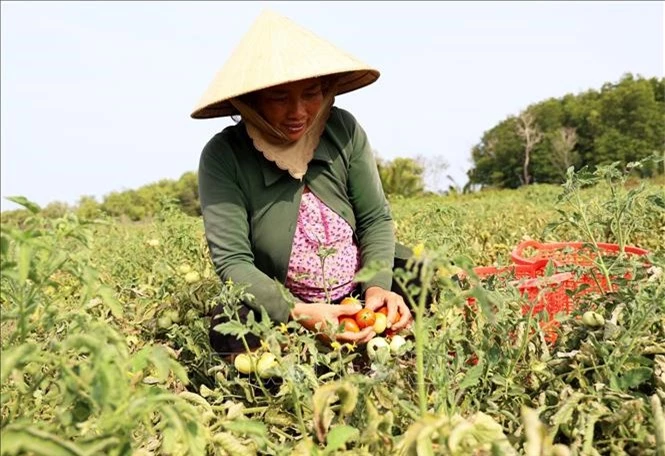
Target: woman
column 291, row 193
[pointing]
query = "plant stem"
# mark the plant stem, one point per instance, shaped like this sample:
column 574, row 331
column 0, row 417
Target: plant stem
column 589, row 232
column 617, row 215
column 420, row 338
column 525, row 340
column 323, row 279
column 617, row 367
column 296, row 405
column 419, row 333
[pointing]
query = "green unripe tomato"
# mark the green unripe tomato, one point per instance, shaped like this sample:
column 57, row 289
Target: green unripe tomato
column 560, row 450
column 244, row 363
column 184, row 268
column 174, row 315
column 376, row 346
column 164, row 322
column 191, row 315
column 266, row 363
column 396, row 344
column 593, row 319
column 192, row 277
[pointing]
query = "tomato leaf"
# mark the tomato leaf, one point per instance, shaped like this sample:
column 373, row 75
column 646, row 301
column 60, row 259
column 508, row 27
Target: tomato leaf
column 634, row 377
column 249, row 427
column 232, row 328
column 110, row 300
column 339, row 436
column 23, row 201
column 30, row 440
column 15, row 357
column 472, row 376
column 657, row 200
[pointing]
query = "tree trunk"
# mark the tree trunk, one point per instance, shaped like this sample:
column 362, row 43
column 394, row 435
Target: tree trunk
column 531, row 135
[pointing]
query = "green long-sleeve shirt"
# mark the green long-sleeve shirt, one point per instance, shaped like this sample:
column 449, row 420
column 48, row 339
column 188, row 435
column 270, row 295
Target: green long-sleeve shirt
column 250, row 206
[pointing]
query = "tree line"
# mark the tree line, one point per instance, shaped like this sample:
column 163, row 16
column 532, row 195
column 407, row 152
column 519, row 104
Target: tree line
column 403, row 176
column 622, row 122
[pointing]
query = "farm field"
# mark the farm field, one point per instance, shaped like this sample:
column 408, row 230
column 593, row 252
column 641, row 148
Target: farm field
column 105, row 348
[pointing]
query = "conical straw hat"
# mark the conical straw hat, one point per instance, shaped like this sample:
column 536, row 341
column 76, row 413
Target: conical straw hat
column 274, row 51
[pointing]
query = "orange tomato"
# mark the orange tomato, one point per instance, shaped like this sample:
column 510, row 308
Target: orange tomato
column 365, row 318
column 350, row 300
column 384, row 311
column 349, row 324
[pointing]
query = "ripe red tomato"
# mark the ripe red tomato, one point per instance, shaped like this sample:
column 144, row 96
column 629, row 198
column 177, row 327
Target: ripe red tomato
column 365, row 318
column 349, row 324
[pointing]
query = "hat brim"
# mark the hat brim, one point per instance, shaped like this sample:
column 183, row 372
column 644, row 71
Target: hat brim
column 348, row 81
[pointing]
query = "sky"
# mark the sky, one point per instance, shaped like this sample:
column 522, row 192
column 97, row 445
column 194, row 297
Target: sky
column 96, row 96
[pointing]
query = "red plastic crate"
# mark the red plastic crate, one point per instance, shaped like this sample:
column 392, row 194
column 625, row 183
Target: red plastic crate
column 552, row 294
column 574, row 254
column 562, row 253
column 546, row 294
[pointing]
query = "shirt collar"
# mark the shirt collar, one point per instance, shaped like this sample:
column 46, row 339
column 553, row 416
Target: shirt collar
column 271, row 173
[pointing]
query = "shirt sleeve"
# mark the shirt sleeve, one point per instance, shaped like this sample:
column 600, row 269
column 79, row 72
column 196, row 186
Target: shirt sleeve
column 226, row 223
column 374, row 223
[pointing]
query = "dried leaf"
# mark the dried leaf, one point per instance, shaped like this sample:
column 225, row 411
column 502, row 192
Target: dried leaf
column 344, row 391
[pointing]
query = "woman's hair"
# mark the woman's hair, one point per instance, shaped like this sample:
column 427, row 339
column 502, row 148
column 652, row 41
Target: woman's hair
column 250, row 100
column 327, row 82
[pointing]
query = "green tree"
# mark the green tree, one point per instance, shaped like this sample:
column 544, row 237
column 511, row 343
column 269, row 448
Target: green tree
column 187, row 191
column 88, row 208
column 634, row 122
column 497, row 157
column 55, row 209
column 401, row 176
column 623, row 121
column 127, row 203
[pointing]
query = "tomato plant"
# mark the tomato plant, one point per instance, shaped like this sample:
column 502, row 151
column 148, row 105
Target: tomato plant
column 102, row 328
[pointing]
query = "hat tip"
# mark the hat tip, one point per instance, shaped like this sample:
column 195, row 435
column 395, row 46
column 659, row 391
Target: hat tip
column 267, row 12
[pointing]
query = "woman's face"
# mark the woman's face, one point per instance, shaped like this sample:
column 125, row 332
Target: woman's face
column 291, row 108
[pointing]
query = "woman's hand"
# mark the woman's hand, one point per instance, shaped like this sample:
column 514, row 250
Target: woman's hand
column 317, row 317
column 376, row 297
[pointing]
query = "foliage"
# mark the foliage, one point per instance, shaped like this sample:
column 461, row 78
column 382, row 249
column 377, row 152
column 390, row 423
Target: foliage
column 401, row 176
column 622, row 122
column 105, row 340
column 72, row 381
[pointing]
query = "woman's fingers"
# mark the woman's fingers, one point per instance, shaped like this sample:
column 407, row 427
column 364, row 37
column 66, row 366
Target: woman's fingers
column 376, row 297
column 374, row 301
column 403, row 322
column 395, row 305
column 346, row 310
column 360, row 337
column 393, row 308
column 405, row 317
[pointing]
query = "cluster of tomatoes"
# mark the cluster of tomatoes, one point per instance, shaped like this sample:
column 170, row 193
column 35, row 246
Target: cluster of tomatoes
column 367, row 317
